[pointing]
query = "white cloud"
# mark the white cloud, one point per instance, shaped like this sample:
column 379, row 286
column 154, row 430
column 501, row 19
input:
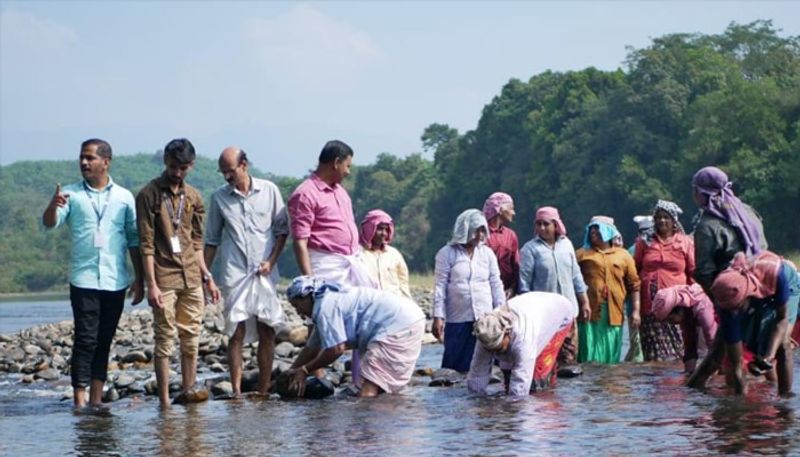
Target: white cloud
column 305, row 44
column 25, row 32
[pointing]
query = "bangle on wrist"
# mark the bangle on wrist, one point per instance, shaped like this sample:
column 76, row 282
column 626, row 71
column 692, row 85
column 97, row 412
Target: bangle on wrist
column 305, row 370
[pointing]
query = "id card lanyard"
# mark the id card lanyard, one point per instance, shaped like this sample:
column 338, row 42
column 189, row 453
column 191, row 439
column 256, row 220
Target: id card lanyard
column 99, row 236
column 175, row 217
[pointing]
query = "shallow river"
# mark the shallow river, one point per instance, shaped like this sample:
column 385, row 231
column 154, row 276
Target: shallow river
column 620, row 410
column 625, row 409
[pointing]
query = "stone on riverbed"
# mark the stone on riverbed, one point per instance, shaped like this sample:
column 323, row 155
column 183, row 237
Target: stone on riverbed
column 445, row 377
column 49, row 374
column 110, row 395
column 135, row 356
column 284, row 349
column 222, row 389
column 123, row 381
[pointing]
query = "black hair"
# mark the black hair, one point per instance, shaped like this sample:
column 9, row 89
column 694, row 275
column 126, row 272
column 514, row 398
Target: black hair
column 333, row 150
column 181, row 150
column 242, row 157
column 103, row 148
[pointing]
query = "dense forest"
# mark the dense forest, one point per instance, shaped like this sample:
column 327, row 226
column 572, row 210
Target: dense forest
column 588, row 142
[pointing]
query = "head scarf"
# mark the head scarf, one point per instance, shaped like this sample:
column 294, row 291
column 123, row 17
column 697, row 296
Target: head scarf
column 756, row 278
column 370, row 225
column 674, row 212
column 490, row 329
column 310, row 285
column 643, row 223
column 467, row 223
column 682, row 295
column 719, row 200
column 607, row 230
column 495, row 203
column 549, row 213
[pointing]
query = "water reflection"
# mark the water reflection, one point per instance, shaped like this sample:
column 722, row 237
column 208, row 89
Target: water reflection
column 182, row 431
column 625, row 409
column 96, row 435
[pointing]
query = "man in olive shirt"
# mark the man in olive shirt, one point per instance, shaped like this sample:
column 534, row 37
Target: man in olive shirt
column 170, row 220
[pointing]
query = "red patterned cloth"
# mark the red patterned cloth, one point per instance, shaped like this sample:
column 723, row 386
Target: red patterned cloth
column 544, row 372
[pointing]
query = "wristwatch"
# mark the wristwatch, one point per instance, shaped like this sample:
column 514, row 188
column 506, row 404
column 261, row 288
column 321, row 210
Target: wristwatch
column 207, row 278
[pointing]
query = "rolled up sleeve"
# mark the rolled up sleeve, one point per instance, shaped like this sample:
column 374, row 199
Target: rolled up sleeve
column 197, row 223
column 280, row 217
column 301, row 212
column 145, row 222
column 214, row 223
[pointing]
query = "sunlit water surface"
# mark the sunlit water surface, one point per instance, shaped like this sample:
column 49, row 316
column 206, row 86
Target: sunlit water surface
column 620, row 410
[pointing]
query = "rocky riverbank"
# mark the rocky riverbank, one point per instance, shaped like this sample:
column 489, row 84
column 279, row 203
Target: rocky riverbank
column 41, row 354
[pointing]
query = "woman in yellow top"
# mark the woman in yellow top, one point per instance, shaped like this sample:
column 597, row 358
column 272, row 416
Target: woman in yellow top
column 610, row 274
column 384, row 263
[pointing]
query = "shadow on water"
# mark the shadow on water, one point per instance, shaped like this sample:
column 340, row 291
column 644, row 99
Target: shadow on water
column 622, row 409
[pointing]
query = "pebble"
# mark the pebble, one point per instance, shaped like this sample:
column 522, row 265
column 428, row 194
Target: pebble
column 124, row 380
column 284, row 349
column 135, row 356
column 110, row 395
column 223, row 388
column 49, row 374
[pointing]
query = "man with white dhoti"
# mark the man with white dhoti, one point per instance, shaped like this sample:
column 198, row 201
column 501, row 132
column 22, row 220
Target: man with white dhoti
column 247, row 226
column 326, row 238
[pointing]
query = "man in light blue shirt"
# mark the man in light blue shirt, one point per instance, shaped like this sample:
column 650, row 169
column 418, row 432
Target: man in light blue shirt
column 101, row 216
column 246, row 232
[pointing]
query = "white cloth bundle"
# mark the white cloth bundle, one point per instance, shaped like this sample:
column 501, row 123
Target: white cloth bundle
column 253, row 299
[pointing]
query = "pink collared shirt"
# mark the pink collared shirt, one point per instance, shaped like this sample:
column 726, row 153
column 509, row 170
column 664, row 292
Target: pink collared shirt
column 323, row 215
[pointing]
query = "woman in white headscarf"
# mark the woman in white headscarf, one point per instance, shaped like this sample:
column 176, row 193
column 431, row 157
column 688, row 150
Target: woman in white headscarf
column 525, row 337
column 467, row 286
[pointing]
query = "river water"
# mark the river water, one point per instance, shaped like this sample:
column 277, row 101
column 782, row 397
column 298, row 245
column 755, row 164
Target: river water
column 620, row 410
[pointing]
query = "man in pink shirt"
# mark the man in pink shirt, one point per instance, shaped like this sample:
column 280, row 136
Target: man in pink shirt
column 322, row 222
column 323, row 226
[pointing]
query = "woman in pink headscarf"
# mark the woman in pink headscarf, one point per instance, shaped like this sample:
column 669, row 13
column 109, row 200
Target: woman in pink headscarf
column 758, row 296
column 385, row 264
column 499, row 212
column 549, row 264
column 690, row 307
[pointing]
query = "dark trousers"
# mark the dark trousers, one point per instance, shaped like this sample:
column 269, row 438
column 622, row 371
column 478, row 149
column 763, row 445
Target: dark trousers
column 96, row 314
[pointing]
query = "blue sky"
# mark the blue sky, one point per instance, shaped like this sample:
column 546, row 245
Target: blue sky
column 280, row 79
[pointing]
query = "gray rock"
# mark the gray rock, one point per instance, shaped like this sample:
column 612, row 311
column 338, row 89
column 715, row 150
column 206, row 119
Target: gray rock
column 284, row 349
column 27, row 379
column 135, row 356
column 32, row 349
column 175, row 385
column 123, row 381
column 58, row 362
column 151, row 387
column 217, row 367
column 445, row 377
column 16, row 354
column 49, row 374
column 211, row 359
column 110, row 395
column 223, row 388
column 249, row 380
column 334, row 377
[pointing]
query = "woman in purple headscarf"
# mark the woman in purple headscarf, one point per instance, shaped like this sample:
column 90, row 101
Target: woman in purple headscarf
column 726, row 226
